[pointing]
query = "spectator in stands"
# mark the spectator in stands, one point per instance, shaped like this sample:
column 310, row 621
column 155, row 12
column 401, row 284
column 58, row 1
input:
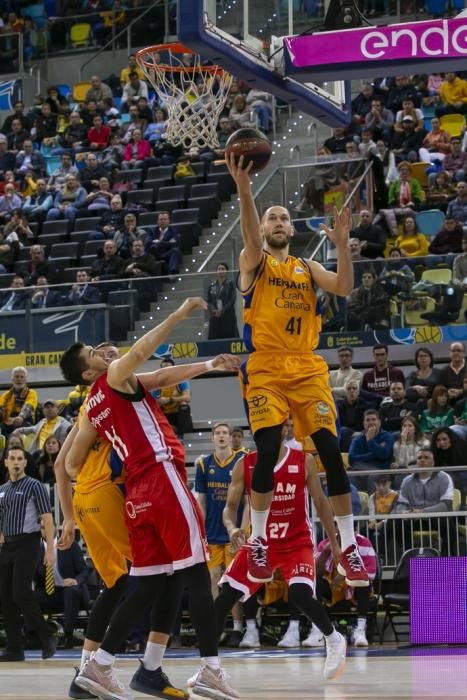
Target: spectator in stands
column 436, row 144
column 410, row 441
column 37, row 265
column 377, row 380
column 67, row 202
column 16, row 137
column 90, row 175
column 18, row 404
column 338, row 378
column 409, row 110
column 7, row 159
column 132, row 67
column 111, row 220
column 406, row 142
column 154, row 131
column 261, row 102
column 108, row 266
column 17, row 114
column 449, row 450
column 439, row 413
column 421, row 382
column 175, row 403
column 70, row 592
column 9, row 250
column 136, row 122
column 332, row 590
column 371, row 235
column 9, row 179
column 371, row 449
column 380, row 121
column 457, row 208
column 368, row 305
column 440, row 191
column 449, row 239
column 460, row 407
column 58, row 175
column 18, row 227
column 74, row 401
column 403, row 89
column 355, row 247
column 361, row 104
column 241, row 115
column 350, row 410
column 127, row 234
column 98, row 91
column 393, row 410
column 98, row 136
column 136, row 151
column 338, row 141
column 453, row 95
column 322, row 178
column 57, row 102
column 455, row 162
column 163, row 242
column 139, row 266
column 381, row 502
column 98, row 199
column 75, row 134
column 15, row 298
column 29, row 159
column 221, row 298
column 46, row 456
column 45, row 124
column 82, row 292
column 452, row 375
column 405, row 195
column 396, row 276
column 43, row 297
column 412, row 243
column 9, row 202
column 459, row 267
column 88, row 111
column 133, row 90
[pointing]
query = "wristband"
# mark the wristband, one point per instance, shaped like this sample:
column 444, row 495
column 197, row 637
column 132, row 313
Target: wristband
column 209, row 364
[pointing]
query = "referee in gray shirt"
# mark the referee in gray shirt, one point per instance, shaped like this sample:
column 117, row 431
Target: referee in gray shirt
column 24, row 502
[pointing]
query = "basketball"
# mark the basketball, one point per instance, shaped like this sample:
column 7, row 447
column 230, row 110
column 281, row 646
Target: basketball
column 428, row 334
column 253, row 145
column 180, row 350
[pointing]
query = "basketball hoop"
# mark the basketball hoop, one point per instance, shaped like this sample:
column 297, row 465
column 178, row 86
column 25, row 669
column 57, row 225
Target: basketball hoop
column 193, row 95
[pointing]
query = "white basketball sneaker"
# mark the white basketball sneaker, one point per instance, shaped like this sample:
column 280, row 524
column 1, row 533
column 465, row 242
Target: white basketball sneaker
column 359, row 637
column 336, row 647
column 290, row 639
column 315, row 639
column 250, row 639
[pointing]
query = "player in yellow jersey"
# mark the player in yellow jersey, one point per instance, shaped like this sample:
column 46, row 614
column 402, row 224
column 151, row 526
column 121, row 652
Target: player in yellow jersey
column 283, row 374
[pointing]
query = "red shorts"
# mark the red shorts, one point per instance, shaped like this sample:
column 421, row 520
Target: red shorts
column 165, row 524
column 297, row 566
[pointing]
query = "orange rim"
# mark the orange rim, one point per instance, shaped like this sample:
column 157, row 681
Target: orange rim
column 175, row 48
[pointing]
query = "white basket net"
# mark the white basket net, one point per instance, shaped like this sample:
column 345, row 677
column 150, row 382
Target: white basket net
column 194, row 96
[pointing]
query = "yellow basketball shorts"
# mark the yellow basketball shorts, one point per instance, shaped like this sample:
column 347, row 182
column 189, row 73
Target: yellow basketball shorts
column 100, row 516
column 278, row 384
column 220, row 555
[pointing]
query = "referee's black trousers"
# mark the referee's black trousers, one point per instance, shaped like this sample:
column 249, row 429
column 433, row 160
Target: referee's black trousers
column 18, row 562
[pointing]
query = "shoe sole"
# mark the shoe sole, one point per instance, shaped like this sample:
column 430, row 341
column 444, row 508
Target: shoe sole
column 259, row 580
column 340, row 668
column 353, row 583
column 80, row 694
column 146, row 690
column 210, row 693
column 99, row 690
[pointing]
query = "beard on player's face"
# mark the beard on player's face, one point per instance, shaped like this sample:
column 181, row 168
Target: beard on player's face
column 274, row 241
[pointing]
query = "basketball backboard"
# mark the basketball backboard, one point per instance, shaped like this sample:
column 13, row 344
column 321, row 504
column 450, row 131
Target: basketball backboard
column 245, row 38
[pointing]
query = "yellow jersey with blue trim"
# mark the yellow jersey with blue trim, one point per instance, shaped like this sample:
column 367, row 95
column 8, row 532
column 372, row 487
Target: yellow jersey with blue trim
column 281, row 311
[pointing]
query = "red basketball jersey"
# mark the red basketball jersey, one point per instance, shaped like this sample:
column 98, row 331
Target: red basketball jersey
column 136, row 427
column 289, row 518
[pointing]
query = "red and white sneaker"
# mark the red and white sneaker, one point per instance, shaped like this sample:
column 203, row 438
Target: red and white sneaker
column 259, row 569
column 351, row 566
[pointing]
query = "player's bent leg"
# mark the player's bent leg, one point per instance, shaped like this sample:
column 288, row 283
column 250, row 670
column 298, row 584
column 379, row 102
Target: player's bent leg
column 268, row 443
column 351, row 565
column 301, row 596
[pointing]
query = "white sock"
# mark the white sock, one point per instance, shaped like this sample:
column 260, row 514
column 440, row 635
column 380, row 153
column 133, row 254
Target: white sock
column 258, row 523
column 238, row 625
column 103, row 658
column 361, row 623
column 251, row 624
column 85, row 656
column 346, row 530
column 213, row 661
column 333, row 637
column 293, row 625
column 153, row 655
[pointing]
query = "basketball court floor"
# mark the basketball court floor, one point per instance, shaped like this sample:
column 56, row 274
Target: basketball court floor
column 377, row 674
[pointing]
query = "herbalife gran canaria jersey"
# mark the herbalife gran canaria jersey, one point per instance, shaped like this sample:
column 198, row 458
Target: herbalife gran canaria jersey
column 280, row 308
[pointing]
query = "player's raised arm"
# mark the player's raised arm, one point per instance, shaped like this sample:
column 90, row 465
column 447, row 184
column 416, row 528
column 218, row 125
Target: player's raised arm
column 65, row 491
column 340, row 282
column 121, row 370
column 250, row 224
column 321, row 503
column 82, row 443
column 169, row 376
column 234, row 498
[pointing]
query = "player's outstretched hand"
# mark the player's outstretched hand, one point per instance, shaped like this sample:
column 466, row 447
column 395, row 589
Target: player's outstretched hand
column 189, row 305
column 227, row 363
column 237, row 538
column 67, row 536
column 339, row 235
column 240, row 175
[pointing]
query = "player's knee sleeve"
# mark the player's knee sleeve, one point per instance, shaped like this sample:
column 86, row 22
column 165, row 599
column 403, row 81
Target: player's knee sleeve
column 268, row 444
column 328, row 449
column 103, row 608
column 301, row 597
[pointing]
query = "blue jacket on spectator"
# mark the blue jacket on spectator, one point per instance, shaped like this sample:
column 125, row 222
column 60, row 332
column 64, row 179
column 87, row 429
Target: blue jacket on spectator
column 376, row 452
